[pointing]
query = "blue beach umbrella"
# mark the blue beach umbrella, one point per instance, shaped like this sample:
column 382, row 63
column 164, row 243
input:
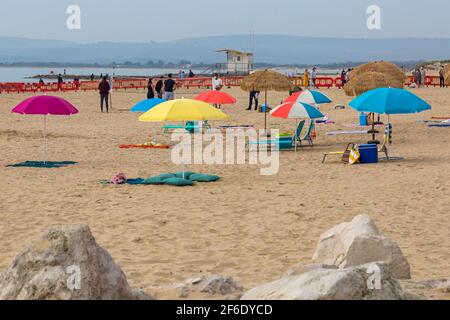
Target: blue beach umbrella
column 389, row 101
column 146, row 105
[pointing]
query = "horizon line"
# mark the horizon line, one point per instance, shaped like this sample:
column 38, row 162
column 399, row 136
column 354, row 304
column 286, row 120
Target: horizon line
column 225, row 35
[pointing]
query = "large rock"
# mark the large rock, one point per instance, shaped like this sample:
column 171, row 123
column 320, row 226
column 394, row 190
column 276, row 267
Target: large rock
column 66, row 263
column 367, row 282
column 359, row 242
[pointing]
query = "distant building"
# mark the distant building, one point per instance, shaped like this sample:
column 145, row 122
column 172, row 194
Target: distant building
column 238, row 62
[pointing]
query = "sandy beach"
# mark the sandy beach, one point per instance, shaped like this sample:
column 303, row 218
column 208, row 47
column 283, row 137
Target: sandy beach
column 247, row 226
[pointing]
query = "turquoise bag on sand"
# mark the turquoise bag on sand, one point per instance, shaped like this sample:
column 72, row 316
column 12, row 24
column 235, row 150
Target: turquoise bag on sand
column 199, row 177
column 178, row 182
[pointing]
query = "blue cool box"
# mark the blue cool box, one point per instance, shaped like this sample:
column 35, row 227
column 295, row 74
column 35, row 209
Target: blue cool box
column 363, row 120
column 369, row 153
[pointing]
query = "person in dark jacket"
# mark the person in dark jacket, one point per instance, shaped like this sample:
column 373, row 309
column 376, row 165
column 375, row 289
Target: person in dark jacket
column 159, row 87
column 254, row 96
column 150, row 91
column 104, row 89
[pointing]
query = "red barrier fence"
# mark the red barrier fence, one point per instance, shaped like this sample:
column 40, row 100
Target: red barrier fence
column 198, row 83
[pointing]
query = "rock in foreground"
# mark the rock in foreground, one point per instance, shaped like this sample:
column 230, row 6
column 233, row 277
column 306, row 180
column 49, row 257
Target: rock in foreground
column 359, row 242
column 66, row 264
column 367, row 282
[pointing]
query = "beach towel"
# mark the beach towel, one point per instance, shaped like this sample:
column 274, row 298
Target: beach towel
column 41, row 164
column 337, row 133
column 442, row 125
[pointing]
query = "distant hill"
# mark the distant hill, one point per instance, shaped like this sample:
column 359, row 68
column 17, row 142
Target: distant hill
column 267, row 48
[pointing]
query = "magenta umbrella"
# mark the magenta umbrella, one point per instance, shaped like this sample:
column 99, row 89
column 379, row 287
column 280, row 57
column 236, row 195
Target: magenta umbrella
column 45, row 105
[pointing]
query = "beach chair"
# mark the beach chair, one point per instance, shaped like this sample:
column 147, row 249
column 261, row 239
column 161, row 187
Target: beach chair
column 338, row 153
column 191, row 127
column 308, row 134
column 172, row 127
column 282, row 141
column 383, row 147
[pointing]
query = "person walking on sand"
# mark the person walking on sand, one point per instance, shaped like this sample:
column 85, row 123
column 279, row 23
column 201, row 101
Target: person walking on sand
column 150, row 91
column 159, row 87
column 103, row 88
column 254, row 96
column 442, row 77
column 169, row 88
column 306, row 78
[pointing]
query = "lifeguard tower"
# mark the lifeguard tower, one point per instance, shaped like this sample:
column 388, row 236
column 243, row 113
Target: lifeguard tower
column 238, row 62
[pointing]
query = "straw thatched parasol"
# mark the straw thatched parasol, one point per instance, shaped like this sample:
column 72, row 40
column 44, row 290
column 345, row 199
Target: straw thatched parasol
column 267, row 80
column 382, row 67
column 361, row 83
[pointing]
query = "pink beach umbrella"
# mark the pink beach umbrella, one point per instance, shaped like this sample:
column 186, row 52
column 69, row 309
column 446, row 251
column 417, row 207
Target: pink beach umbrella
column 45, row 105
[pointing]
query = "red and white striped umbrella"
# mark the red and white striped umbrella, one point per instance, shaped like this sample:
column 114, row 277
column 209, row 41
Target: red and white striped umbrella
column 296, row 110
column 309, row 96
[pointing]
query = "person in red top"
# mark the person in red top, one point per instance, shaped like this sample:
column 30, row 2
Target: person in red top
column 104, row 89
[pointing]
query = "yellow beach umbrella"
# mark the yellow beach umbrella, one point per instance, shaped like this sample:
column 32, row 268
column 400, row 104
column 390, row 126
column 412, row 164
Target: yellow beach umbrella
column 183, row 110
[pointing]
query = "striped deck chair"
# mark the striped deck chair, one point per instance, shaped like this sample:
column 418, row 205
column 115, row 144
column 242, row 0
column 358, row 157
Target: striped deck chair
column 283, row 141
column 308, row 134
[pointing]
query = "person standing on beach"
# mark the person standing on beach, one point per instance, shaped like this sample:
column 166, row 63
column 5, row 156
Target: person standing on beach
column 419, row 78
column 217, row 84
column 159, row 87
column 347, row 75
column 306, row 78
column 104, row 89
column 423, row 74
column 60, row 81
column 314, row 77
column 92, row 77
column 254, row 96
column 169, row 88
column 343, row 77
column 191, row 74
column 442, row 77
column 150, row 91
column 76, row 81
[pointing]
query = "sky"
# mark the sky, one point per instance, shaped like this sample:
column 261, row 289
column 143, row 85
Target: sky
column 162, row 20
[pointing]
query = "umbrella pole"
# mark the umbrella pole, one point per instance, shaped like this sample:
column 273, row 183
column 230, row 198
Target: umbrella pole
column 45, row 139
column 373, row 127
column 295, row 134
column 154, row 135
column 265, row 113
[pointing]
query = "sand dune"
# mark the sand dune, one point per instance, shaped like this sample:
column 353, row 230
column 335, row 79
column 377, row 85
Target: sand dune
column 247, row 226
